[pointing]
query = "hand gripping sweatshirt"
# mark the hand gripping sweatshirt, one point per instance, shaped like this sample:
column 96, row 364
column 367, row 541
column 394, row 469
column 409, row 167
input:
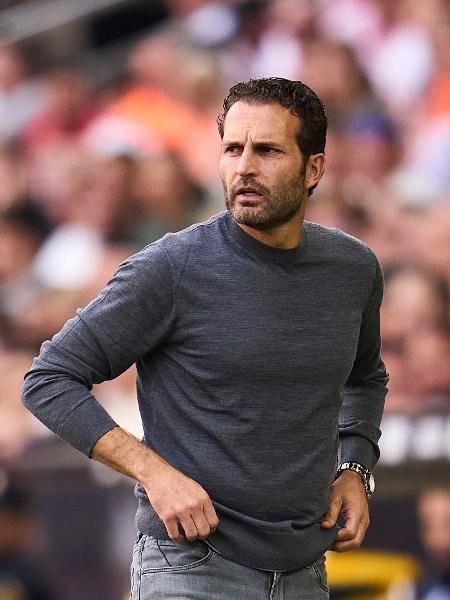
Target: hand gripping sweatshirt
column 255, row 366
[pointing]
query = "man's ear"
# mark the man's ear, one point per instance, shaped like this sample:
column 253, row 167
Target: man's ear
column 315, row 168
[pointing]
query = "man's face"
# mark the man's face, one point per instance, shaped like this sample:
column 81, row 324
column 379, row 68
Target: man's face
column 434, row 513
column 261, row 165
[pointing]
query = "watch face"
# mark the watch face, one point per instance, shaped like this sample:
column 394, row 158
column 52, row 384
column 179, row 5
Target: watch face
column 371, row 484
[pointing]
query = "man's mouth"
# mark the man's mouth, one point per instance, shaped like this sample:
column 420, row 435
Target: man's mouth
column 248, row 195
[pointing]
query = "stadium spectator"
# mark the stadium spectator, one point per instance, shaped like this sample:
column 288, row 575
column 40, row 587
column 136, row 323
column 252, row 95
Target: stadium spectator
column 434, row 516
column 21, row 97
column 21, row 578
column 68, row 111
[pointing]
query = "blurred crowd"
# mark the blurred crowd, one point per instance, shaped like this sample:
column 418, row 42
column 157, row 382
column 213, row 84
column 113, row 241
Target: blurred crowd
column 92, row 170
column 90, row 173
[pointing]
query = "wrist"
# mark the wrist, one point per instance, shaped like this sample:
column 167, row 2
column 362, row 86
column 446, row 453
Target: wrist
column 149, row 466
column 348, row 474
column 360, row 471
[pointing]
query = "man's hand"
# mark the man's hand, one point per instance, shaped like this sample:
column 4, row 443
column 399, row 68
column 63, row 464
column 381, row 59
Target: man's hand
column 181, row 501
column 176, row 499
column 348, row 497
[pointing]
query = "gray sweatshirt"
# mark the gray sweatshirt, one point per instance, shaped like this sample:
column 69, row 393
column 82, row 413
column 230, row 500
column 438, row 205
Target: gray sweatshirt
column 254, row 363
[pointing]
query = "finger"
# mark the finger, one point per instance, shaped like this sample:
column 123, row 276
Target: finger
column 332, row 513
column 201, row 524
column 173, row 531
column 189, row 528
column 350, row 526
column 356, row 525
column 346, row 546
column 344, row 534
column 348, row 540
column 211, row 516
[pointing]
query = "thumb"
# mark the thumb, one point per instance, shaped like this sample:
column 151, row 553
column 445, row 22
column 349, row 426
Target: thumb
column 331, row 516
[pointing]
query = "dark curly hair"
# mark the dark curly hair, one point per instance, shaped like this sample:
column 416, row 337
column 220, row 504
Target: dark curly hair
column 294, row 95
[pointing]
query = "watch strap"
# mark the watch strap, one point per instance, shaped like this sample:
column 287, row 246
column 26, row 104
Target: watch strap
column 363, row 472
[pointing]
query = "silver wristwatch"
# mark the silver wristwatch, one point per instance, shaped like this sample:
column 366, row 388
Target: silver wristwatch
column 365, row 474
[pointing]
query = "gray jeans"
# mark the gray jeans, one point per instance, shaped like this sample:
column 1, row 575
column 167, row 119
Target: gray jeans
column 166, row 570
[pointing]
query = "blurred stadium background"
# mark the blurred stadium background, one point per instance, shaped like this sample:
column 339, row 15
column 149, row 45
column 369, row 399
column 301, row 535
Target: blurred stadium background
column 108, row 140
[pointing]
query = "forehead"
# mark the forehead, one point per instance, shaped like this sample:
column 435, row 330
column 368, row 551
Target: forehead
column 263, row 122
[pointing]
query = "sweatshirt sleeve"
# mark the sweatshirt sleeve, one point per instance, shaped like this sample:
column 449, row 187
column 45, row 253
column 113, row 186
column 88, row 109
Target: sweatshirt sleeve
column 128, row 319
column 365, row 389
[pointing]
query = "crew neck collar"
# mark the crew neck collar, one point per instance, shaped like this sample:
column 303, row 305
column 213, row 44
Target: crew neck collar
column 253, row 246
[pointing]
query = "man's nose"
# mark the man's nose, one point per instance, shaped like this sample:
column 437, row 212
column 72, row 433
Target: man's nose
column 247, row 163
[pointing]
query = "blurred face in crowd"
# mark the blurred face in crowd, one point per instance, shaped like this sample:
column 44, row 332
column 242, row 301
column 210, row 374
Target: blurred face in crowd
column 264, row 177
column 411, row 301
column 434, row 514
column 11, row 68
column 161, row 188
column 17, row 248
column 11, row 531
column 427, row 351
column 332, row 71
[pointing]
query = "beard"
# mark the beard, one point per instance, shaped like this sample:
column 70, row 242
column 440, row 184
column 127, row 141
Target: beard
column 276, row 207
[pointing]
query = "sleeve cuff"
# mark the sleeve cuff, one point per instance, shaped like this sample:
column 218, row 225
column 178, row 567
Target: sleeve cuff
column 85, row 426
column 353, row 448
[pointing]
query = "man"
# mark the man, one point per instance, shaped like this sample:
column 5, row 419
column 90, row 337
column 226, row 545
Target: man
column 21, row 577
column 256, row 339
column 434, row 521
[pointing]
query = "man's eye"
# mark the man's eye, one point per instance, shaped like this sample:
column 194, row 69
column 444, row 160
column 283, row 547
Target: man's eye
column 266, row 149
column 232, row 149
